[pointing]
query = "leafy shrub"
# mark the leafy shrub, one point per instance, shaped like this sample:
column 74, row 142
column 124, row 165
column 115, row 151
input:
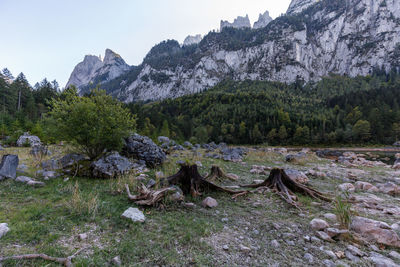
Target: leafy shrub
column 94, row 123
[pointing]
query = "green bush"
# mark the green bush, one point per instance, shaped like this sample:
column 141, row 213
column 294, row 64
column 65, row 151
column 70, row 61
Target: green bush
column 94, row 123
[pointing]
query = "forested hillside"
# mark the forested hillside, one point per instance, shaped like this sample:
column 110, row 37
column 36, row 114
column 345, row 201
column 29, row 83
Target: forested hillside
column 22, row 106
column 336, row 110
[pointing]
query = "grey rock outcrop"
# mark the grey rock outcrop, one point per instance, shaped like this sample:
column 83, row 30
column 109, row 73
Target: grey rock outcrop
column 31, row 140
column 297, row 6
column 92, row 68
column 191, row 40
column 143, row 148
column 110, row 166
column 8, row 166
column 238, row 23
column 263, row 20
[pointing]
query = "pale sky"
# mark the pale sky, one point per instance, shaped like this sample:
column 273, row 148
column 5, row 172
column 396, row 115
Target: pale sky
column 47, row 38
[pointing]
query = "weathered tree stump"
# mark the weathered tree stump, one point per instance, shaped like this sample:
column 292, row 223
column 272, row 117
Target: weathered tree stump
column 281, row 184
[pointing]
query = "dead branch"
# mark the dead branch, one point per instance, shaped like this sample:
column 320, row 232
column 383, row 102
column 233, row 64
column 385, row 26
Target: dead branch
column 67, row 262
column 148, row 197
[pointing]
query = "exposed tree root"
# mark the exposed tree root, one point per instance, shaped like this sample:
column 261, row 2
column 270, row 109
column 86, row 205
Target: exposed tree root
column 281, row 184
column 217, row 174
column 191, row 182
column 67, row 262
column 188, row 179
column 147, row 197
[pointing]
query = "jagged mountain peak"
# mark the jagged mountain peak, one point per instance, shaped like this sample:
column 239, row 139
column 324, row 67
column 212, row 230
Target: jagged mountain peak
column 238, row 23
column 92, row 67
column 263, row 20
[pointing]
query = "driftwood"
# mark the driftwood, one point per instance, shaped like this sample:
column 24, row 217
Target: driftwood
column 67, row 262
column 217, row 174
column 147, row 197
column 281, row 184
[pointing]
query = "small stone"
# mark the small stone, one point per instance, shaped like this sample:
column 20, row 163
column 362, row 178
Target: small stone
column 328, row 263
column 244, row 248
column 116, row 261
column 334, row 232
column 275, row 244
column 309, row 258
column 225, row 247
column 331, row 254
column 355, row 251
column 290, row 242
column 209, row 202
column 395, row 255
column 347, row 187
column 134, row 214
column 324, row 236
column 189, row 205
column 315, row 239
column 3, row 229
column 66, row 179
column 351, row 257
column 318, row 224
column 331, row 217
column 82, row 237
column 381, row 261
column 224, row 220
column 307, row 238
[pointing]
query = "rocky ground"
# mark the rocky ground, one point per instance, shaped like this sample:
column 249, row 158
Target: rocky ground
column 58, row 215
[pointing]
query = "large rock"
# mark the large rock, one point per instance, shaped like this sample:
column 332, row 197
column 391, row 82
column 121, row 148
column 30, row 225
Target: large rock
column 8, row 166
column 143, row 148
column 3, row 229
column 209, row 202
column 232, row 154
column 51, row 165
column 375, row 231
column 238, row 23
column 295, row 157
column 381, row 261
column 134, row 214
column 27, row 139
column 263, row 20
column 110, row 166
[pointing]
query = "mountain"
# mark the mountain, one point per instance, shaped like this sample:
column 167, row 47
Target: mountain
column 93, row 70
column 238, row 23
column 313, row 40
column 263, row 21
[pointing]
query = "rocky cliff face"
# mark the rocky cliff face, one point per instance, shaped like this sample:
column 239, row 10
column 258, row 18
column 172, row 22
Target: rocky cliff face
column 263, row 21
column 93, row 70
column 190, row 40
column 238, row 23
column 346, row 37
column 297, row 6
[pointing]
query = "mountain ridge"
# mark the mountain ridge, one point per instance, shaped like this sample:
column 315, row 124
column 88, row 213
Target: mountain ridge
column 314, row 39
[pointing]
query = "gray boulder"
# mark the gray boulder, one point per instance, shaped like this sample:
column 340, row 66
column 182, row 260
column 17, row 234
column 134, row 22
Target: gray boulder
column 163, row 140
column 232, row 154
column 187, row 144
column 295, row 157
column 51, row 165
column 110, row 166
column 143, row 148
column 8, row 166
column 26, row 138
column 134, row 214
column 70, row 160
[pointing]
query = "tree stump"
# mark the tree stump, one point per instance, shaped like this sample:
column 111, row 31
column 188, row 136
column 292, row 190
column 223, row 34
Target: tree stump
column 281, row 184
